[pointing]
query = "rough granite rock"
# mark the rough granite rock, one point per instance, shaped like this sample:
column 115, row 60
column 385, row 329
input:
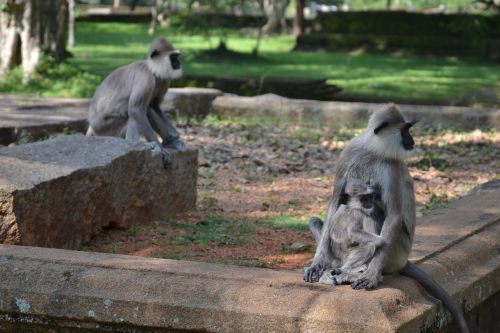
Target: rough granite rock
column 60, row 192
column 190, row 102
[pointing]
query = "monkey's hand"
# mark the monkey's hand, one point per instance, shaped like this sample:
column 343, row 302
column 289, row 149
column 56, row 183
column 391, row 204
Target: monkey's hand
column 313, row 272
column 157, row 149
column 178, row 145
column 379, row 241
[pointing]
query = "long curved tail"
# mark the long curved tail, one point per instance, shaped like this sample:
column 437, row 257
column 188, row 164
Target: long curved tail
column 435, row 290
column 316, row 225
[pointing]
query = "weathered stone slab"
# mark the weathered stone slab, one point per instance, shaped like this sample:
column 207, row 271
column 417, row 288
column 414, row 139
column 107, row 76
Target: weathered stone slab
column 336, row 114
column 81, row 291
column 190, row 102
column 60, row 192
column 38, row 116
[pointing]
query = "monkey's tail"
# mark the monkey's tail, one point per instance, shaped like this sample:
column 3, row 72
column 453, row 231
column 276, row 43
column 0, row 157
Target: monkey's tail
column 435, row 290
column 316, row 225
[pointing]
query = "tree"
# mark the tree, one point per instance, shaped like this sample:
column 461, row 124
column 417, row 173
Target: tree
column 298, row 21
column 30, row 28
column 71, row 23
column 159, row 15
column 276, row 10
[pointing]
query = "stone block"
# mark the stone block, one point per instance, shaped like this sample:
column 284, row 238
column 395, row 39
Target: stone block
column 190, row 102
column 36, row 117
column 74, row 291
column 337, row 114
column 60, row 192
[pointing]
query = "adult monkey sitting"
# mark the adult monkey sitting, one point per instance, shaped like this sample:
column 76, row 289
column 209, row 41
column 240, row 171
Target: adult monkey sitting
column 127, row 102
column 378, row 156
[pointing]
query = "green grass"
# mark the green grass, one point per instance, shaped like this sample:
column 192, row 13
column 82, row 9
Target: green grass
column 429, row 159
column 437, row 201
column 102, row 47
column 214, row 230
column 283, row 221
column 65, row 80
column 134, row 230
column 174, row 256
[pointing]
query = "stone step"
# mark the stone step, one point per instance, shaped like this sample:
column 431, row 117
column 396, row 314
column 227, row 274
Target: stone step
column 190, row 102
column 37, row 117
column 81, row 291
column 337, row 114
column 61, row 192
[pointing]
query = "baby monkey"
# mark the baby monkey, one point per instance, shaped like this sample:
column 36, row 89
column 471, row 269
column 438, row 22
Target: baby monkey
column 353, row 235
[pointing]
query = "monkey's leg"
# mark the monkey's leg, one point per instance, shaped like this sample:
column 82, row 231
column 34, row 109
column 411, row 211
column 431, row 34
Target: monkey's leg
column 163, row 126
column 328, row 274
column 323, row 256
column 358, row 258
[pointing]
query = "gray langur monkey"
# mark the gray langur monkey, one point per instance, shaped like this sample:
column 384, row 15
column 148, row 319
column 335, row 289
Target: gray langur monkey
column 127, row 102
column 352, row 235
column 378, row 156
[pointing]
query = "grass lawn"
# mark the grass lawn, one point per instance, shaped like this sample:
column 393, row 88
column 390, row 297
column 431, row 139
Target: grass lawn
column 101, row 47
column 104, row 46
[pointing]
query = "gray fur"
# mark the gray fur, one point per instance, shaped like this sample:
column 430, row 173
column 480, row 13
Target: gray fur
column 378, row 158
column 352, row 234
column 127, row 102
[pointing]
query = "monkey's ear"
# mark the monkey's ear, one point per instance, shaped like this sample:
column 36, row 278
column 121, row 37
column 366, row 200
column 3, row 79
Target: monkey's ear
column 154, row 54
column 380, row 127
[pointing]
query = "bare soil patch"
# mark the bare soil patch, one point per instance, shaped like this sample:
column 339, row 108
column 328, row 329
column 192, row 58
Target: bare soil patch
column 260, row 183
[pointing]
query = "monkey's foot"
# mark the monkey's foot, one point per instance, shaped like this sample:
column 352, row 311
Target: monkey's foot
column 157, row 149
column 178, row 145
column 367, row 281
column 345, row 277
column 327, row 278
column 313, row 273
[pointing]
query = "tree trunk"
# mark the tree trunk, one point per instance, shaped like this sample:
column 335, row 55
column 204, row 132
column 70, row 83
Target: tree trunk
column 71, row 23
column 133, row 4
column 30, row 28
column 276, row 16
column 155, row 11
column 298, row 22
column 116, row 4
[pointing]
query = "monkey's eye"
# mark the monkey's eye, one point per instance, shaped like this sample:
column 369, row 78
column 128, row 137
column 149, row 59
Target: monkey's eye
column 174, row 60
column 155, row 53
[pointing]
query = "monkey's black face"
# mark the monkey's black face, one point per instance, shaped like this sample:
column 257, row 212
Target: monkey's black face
column 174, row 60
column 367, row 200
column 406, row 138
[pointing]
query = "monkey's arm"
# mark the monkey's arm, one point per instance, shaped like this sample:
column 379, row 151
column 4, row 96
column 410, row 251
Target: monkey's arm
column 162, row 125
column 138, row 105
column 363, row 237
column 138, row 122
column 391, row 228
column 323, row 255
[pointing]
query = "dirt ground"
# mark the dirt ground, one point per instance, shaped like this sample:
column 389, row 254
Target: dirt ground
column 259, row 184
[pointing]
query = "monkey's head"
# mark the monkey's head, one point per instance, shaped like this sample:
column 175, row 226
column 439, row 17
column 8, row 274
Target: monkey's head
column 360, row 195
column 163, row 60
column 388, row 134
